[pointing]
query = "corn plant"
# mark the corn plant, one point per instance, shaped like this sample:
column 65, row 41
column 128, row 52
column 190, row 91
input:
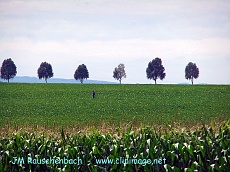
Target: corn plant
column 200, row 150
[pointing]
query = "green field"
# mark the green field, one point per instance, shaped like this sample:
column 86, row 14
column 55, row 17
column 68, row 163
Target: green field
column 186, row 125
column 53, row 106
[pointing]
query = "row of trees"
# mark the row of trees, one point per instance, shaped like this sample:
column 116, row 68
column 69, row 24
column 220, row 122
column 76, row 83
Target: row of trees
column 45, row 71
column 154, row 71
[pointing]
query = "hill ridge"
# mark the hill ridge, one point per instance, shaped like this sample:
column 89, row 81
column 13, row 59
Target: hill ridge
column 30, row 79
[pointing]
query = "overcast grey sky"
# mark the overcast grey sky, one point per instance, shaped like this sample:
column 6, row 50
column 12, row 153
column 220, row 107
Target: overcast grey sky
column 103, row 33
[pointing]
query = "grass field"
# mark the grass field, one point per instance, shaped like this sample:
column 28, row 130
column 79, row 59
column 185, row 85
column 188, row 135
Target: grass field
column 70, row 106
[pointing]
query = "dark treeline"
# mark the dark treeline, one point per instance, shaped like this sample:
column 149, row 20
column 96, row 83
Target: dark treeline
column 155, row 70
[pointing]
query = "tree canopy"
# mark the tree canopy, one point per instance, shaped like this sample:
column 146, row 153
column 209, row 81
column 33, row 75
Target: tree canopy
column 45, row 71
column 191, row 71
column 8, row 69
column 81, row 73
column 119, row 72
column 155, row 70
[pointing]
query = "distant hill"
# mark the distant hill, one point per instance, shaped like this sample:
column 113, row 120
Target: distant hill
column 186, row 83
column 28, row 79
column 183, row 83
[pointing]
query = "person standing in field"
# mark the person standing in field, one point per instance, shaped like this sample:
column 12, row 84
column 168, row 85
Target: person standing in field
column 93, row 94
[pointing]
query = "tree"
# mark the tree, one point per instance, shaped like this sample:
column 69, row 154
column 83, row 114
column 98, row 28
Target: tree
column 81, row 73
column 191, row 71
column 8, row 69
column 45, row 71
column 119, row 72
column 155, row 70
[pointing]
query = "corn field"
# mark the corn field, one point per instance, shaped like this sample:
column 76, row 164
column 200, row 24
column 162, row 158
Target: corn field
column 200, row 150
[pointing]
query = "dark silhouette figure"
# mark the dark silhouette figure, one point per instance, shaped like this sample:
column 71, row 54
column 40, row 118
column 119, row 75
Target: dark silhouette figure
column 93, row 94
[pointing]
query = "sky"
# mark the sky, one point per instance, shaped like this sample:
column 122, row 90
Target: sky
column 104, row 33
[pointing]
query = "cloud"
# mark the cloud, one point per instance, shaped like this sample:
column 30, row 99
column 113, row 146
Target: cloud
column 127, row 48
column 106, row 32
column 118, row 7
column 106, row 19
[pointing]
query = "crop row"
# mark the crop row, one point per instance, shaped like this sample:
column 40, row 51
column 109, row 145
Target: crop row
column 202, row 150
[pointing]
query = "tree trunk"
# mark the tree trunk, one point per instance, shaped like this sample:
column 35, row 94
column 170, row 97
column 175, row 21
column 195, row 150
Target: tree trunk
column 8, row 80
column 46, row 80
column 120, row 81
column 155, row 81
column 192, row 80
